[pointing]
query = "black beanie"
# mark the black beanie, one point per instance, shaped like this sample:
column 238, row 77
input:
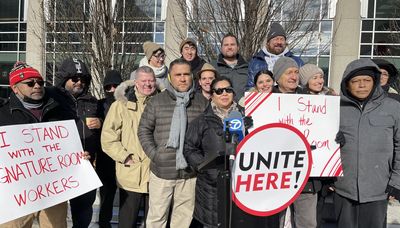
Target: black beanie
column 368, row 72
column 112, row 77
column 275, row 30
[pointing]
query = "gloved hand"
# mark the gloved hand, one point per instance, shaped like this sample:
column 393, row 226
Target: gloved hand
column 340, row 139
column 392, row 191
column 248, row 122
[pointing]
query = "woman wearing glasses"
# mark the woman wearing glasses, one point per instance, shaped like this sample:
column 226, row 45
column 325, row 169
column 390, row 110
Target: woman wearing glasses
column 205, row 137
column 155, row 59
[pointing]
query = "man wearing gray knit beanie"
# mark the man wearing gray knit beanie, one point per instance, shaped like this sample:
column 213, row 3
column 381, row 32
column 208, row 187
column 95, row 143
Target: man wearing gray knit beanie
column 303, row 209
column 286, row 73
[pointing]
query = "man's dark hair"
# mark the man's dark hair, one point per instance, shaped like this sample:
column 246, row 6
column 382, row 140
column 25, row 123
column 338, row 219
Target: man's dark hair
column 229, row 35
column 179, row 61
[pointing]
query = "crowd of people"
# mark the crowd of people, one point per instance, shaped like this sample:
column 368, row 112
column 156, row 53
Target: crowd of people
column 150, row 134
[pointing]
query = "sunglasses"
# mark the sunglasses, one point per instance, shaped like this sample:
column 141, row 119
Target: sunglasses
column 221, row 90
column 77, row 79
column 109, row 87
column 34, row 82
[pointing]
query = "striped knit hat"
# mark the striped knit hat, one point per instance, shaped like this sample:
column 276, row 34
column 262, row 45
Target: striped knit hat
column 22, row 71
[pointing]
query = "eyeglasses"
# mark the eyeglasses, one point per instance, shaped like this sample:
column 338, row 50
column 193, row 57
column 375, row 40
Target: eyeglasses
column 109, row 87
column 221, row 90
column 77, row 79
column 33, row 83
column 160, row 56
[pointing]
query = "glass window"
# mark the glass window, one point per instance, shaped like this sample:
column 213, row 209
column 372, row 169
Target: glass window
column 367, row 25
column 366, row 37
column 8, row 36
column 9, row 10
column 385, row 9
column 365, row 50
column 9, row 27
column 371, row 9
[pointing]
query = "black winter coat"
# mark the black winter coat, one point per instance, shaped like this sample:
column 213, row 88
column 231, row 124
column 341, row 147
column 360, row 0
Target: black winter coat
column 204, row 137
column 13, row 112
column 83, row 106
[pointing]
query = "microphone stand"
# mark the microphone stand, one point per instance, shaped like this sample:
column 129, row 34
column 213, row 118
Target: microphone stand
column 224, row 180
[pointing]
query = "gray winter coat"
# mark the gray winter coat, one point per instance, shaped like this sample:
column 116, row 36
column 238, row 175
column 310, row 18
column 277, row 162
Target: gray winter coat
column 371, row 154
column 237, row 74
column 154, row 128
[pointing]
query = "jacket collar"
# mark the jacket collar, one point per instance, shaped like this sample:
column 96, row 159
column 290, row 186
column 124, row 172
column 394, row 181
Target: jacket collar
column 240, row 64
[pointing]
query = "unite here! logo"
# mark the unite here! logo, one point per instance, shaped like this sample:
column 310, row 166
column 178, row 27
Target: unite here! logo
column 271, row 168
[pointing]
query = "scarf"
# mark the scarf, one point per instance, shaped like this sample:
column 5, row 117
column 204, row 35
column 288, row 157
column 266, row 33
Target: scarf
column 272, row 58
column 222, row 113
column 158, row 71
column 178, row 125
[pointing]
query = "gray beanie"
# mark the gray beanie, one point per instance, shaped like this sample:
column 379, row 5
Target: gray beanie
column 275, row 30
column 307, row 71
column 282, row 64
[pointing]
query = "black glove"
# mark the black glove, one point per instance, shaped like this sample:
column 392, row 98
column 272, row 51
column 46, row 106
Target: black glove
column 392, row 191
column 248, row 122
column 340, row 139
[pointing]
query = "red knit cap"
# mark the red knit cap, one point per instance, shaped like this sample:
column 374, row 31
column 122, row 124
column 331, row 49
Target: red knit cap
column 22, row 71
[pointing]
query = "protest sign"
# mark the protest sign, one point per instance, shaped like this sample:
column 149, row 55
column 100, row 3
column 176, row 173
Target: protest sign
column 317, row 117
column 41, row 165
column 269, row 173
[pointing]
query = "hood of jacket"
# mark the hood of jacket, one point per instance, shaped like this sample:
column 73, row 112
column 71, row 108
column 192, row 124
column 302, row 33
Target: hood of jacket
column 126, row 92
column 69, row 68
column 354, row 66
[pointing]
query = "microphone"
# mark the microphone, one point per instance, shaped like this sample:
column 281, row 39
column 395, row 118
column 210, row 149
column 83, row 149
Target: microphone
column 234, row 127
column 234, row 133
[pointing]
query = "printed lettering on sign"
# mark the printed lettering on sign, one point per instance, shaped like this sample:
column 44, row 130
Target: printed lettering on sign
column 271, row 168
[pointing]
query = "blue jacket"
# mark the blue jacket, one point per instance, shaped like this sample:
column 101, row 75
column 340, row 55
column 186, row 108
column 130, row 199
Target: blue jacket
column 258, row 63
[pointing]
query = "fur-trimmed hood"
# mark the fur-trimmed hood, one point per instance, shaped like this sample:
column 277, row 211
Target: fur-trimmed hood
column 125, row 91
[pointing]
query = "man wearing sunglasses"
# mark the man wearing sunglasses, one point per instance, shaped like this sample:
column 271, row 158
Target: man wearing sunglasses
column 31, row 102
column 73, row 79
column 105, row 165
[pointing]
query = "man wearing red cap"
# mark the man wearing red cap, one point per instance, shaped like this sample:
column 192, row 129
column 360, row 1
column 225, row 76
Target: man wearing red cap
column 31, row 102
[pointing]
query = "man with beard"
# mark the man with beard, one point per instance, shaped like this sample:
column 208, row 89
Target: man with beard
column 73, row 79
column 31, row 102
column 232, row 65
column 275, row 47
column 105, row 166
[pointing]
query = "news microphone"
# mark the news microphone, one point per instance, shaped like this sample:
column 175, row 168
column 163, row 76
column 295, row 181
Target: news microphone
column 234, row 127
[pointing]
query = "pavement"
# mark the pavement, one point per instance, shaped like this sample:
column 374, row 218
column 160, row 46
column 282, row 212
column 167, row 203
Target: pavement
column 393, row 215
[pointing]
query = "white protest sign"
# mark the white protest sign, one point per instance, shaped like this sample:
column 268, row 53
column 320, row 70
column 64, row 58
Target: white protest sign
column 41, row 165
column 317, row 117
column 268, row 175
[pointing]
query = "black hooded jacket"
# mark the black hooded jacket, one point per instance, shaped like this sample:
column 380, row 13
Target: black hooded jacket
column 83, row 106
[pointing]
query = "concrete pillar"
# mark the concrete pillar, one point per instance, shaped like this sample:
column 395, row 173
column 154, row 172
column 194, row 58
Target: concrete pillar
column 346, row 38
column 175, row 30
column 35, row 37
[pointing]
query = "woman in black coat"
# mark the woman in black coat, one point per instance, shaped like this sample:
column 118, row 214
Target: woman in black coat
column 204, row 138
